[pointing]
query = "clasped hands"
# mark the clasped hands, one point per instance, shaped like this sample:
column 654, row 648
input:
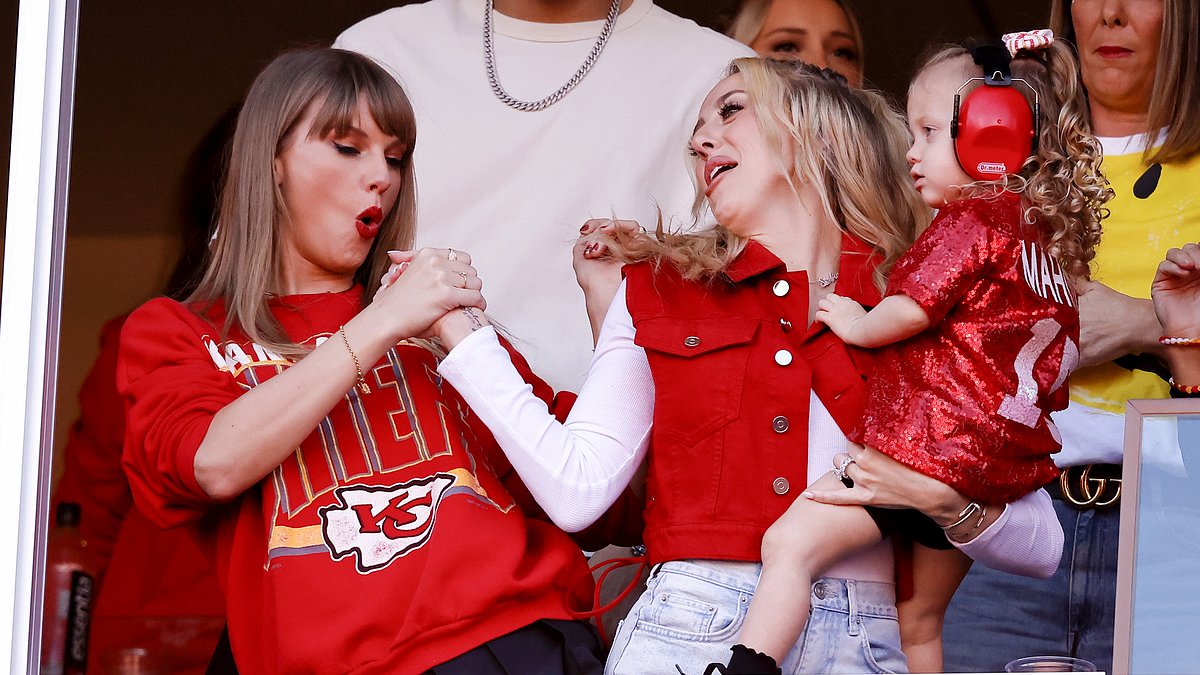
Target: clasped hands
column 438, row 289
column 441, row 290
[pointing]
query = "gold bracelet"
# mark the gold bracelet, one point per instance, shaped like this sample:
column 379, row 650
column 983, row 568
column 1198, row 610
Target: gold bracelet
column 362, row 381
column 969, row 510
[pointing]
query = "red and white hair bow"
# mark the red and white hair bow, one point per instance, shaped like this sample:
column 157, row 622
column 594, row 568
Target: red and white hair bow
column 1033, row 40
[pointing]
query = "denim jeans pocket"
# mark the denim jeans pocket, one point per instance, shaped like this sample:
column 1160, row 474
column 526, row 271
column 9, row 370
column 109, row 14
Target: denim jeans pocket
column 689, row 608
column 683, row 621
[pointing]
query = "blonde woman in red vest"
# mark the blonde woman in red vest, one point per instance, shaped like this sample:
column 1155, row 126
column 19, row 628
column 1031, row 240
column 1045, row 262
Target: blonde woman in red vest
column 708, row 362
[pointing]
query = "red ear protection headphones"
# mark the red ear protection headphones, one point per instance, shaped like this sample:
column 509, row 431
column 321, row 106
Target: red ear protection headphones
column 994, row 130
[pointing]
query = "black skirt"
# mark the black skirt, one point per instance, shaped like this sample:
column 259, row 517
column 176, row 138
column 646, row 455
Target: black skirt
column 546, row 647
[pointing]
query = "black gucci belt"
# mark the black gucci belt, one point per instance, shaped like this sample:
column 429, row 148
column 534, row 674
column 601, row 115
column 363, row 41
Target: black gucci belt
column 1088, row 486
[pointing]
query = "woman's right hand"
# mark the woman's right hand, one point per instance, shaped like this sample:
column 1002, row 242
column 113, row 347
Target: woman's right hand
column 1176, row 292
column 422, row 286
column 596, row 270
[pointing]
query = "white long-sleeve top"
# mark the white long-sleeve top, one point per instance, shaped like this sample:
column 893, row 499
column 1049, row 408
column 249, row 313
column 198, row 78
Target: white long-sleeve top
column 578, row 468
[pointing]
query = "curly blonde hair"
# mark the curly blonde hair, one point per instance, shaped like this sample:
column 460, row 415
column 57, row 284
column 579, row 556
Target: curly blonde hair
column 848, row 143
column 1062, row 188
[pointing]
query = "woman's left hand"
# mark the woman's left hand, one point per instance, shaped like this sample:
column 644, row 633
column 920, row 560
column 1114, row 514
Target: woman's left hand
column 881, row 481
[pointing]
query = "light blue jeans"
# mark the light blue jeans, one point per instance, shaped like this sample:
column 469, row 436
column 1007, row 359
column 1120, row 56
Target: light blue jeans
column 692, row 611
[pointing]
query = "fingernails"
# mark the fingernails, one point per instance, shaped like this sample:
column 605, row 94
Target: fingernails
column 807, row 494
column 587, row 227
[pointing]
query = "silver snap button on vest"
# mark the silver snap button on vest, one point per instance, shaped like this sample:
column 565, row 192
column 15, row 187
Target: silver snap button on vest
column 781, row 486
column 780, row 424
column 691, row 341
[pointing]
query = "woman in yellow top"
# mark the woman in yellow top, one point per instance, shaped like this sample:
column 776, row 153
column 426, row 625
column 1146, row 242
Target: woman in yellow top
column 1140, row 65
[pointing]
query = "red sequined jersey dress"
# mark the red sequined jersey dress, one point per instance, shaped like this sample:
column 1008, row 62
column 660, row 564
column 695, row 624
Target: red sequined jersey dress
column 967, row 401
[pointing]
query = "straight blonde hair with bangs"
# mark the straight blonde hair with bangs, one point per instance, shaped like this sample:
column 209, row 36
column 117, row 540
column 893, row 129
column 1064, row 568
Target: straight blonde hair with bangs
column 1175, row 95
column 245, row 264
column 848, row 143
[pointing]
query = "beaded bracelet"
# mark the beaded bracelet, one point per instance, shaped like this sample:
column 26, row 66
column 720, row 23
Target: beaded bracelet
column 1189, row 389
column 362, row 381
column 1179, row 341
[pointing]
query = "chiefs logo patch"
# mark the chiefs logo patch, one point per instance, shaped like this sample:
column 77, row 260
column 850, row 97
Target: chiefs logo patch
column 381, row 524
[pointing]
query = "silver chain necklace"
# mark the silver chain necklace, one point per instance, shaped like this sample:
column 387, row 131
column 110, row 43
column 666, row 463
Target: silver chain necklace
column 489, row 57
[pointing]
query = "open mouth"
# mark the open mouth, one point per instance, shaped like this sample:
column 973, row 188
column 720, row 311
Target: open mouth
column 368, row 222
column 716, row 167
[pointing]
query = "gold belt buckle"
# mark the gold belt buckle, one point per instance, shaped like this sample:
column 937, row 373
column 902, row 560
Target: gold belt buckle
column 1088, row 491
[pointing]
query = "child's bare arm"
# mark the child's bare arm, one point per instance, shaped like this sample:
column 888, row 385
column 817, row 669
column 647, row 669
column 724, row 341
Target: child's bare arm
column 895, row 318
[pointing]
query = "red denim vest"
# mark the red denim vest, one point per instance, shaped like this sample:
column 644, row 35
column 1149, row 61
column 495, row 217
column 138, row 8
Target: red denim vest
column 733, row 365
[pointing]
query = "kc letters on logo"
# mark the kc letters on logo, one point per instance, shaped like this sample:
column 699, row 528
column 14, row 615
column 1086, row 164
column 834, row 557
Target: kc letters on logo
column 380, row 524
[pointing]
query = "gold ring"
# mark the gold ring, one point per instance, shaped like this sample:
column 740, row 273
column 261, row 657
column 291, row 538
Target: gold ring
column 464, row 278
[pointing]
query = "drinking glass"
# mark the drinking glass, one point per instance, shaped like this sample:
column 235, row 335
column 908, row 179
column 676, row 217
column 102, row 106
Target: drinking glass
column 1049, row 664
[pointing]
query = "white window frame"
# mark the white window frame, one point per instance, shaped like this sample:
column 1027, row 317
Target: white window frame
column 43, row 94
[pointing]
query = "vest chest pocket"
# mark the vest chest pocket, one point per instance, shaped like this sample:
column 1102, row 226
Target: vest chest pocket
column 699, row 370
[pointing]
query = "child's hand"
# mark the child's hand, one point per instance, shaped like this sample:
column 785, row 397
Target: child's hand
column 842, row 315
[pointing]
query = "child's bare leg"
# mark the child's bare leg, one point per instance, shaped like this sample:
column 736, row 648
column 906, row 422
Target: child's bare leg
column 936, row 575
column 802, row 544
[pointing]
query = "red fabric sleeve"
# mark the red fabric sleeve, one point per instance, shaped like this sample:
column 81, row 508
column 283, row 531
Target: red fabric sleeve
column 92, row 475
column 172, row 388
column 945, row 261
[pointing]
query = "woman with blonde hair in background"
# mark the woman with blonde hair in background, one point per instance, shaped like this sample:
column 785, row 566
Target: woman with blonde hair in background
column 824, row 33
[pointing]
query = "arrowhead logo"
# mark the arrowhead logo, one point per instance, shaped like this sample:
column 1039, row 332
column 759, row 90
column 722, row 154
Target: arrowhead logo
column 381, row 524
